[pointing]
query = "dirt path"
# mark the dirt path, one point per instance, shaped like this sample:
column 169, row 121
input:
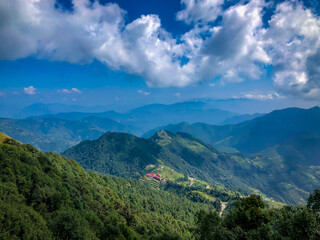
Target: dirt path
column 223, row 207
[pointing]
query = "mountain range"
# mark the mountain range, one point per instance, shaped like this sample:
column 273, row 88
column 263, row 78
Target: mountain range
column 57, row 135
column 128, row 156
column 276, row 153
column 57, row 132
column 154, row 115
column 47, row 196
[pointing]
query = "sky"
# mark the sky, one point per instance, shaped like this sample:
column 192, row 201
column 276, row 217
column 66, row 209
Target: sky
column 131, row 53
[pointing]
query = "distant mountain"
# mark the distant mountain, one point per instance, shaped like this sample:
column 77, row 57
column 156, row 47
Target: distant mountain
column 241, row 118
column 58, row 132
column 43, row 109
column 57, row 135
column 128, row 156
column 284, row 126
column 245, row 105
column 75, row 116
column 154, row 115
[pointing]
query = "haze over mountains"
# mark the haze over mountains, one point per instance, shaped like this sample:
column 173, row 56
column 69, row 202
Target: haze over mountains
column 275, row 153
column 57, row 132
column 236, row 105
column 154, row 115
column 56, row 135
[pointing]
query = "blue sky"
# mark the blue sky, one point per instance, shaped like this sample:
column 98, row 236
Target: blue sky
column 130, row 53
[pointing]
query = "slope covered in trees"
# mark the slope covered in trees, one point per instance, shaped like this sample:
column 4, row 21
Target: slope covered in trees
column 284, row 146
column 251, row 219
column 128, row 156
column 46, row 196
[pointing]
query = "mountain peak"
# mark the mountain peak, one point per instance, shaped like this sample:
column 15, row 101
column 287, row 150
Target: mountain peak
column 163, row 134
column 162, row 137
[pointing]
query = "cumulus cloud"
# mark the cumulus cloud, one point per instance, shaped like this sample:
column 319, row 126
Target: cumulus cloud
column 72, row 90
column 235, row 49
column 200, row 10
column 143, row 92
column 293, row 43
column 30, row 90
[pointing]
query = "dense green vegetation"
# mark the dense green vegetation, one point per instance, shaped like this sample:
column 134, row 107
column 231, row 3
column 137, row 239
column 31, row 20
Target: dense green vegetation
column 251, row 219
column 128, row 156
column 45, row 196
column 119, row 154
column 3, row 137
column 283, row 147
column 57, row 135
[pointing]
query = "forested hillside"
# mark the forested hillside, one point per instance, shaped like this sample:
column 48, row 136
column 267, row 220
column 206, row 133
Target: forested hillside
column 46, row 196
column 284, row 146
column 128, row 156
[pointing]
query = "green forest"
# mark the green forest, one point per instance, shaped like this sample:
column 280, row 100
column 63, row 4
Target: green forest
column 47, row 196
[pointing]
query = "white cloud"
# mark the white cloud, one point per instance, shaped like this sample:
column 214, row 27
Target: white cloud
column 177, row 94
column 293, row 43
column 200, row 10
column 64, row 91
column 143, row 92
column 30, row 90
column 75, row 90
column 256, row 95
column 235, row 50
column 72, row 90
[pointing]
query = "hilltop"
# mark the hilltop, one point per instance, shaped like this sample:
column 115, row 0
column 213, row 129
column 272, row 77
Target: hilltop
column 181, row 157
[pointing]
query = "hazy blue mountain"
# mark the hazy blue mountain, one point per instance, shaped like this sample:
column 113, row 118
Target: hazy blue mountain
column 75, row 116
column 154, row 115
column 241, row 118
column 53, row 108
column 244, row 105
column 284, row 126
column 57, row 135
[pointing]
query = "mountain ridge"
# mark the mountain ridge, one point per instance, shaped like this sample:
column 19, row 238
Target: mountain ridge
column 196, row 159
